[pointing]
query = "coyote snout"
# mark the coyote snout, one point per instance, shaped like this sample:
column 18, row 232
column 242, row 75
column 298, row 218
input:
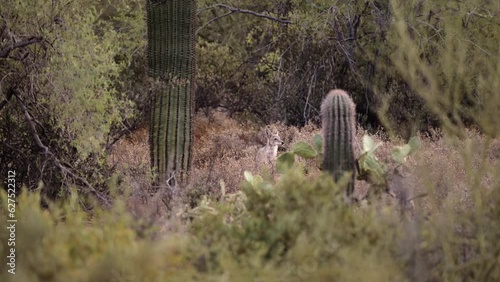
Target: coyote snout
column 267, row 154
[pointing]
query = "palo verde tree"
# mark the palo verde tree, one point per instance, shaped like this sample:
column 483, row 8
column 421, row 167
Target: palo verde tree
column 62, row 102
column 171, row 45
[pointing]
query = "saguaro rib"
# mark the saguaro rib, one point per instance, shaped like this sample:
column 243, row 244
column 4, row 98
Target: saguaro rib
column 171, row 41
column 338, row 118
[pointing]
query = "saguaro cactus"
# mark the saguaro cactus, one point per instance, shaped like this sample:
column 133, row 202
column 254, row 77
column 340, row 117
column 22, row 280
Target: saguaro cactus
column 171, row 46
column 338, row 118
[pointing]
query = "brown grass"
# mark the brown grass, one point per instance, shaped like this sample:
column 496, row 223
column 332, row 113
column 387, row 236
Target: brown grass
column 225, row 147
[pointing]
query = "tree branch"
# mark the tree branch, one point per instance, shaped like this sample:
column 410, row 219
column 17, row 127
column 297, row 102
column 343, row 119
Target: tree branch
column 5, row 101
column 4, row 53
column 243, row 11
column 10, row 93
column 47, row 152
column 214, row 19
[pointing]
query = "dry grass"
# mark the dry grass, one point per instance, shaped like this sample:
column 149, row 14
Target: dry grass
column 225, row 147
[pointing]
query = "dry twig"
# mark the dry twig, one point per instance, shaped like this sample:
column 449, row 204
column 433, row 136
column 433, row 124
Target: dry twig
column 46, row 151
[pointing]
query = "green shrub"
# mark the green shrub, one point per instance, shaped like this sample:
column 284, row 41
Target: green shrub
column 298, row 229
column 64, row 243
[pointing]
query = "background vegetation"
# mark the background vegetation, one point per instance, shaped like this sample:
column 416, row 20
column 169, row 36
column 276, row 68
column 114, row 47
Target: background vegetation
column 74, row 105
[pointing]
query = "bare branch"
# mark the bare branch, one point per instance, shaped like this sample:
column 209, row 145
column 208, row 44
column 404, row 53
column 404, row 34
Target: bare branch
column 243, row 11
column 214, row 19
column 312, row 84
column 479, row 47
column 47, row 152
column 3, row 103
column 4, row 53
column 7, row 99
column 29, row 119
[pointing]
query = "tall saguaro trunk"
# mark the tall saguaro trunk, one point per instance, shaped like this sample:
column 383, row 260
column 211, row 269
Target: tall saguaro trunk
column 171, row 50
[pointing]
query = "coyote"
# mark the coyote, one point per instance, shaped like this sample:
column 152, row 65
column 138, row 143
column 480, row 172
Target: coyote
column 267, row 154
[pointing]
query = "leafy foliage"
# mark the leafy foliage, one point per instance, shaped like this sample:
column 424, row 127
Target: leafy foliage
column 286, row 226
column 302, row 149
column 369, row 166
column 449, row 61
column 409, row 65
column 399, row 153
column 62, row 89
column 63, row 243
column 297, row 229
column 78, row 85
column 374, row 171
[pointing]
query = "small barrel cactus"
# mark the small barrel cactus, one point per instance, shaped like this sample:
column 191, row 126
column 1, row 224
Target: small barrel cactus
column 339, row 133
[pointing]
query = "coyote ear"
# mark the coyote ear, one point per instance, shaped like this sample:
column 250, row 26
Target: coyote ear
column 268, row 132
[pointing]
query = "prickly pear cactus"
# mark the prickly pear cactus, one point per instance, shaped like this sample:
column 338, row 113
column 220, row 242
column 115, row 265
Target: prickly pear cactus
column 338, row 121
column 171, row 45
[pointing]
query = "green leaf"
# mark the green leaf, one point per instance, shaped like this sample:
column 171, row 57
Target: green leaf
column 414, row 144
column 222, row 187
column 400, row 153
column 371, row 169
column 248, row 176
column 285, row 162
column 254, row 180
column 318, row 143
column 304, row 150
column 369, row 145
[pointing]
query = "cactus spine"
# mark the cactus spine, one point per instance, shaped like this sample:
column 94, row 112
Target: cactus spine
column 171, row 46
column 338, row 119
